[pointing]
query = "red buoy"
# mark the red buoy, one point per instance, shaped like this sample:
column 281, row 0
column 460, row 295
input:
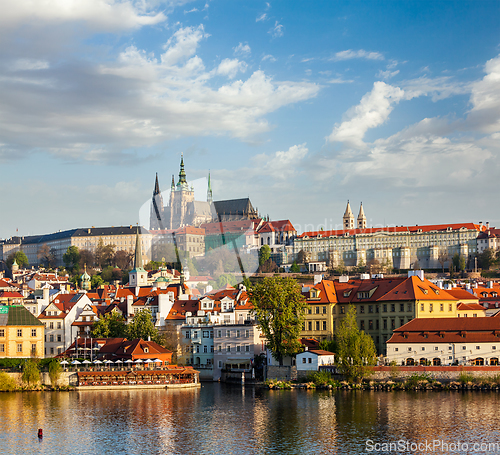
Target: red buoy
column 40, row 433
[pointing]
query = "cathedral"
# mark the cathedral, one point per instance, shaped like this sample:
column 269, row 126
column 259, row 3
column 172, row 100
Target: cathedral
column 183, row 210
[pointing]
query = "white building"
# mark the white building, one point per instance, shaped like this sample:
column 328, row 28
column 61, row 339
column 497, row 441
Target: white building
column 446, row 341
column 313, row 359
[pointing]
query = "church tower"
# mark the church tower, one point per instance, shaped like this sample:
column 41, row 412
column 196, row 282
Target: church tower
column 361, row 218
column 138, row 276
column 348, row 220
column 209, row 190
column 156, row 216
column 181, row 201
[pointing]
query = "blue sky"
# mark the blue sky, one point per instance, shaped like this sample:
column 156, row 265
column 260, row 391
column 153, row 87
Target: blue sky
column 298, row 105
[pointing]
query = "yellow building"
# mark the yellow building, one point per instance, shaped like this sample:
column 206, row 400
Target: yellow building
column 21, row 333
column 320, row 314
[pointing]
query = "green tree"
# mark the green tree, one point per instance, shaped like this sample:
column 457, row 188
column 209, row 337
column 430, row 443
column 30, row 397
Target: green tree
column 111, row 325
column 458, row 262
column 20, row 257
column 86, row 258
column 328, row 345
column 486, row 259
column 355, row 349
column 55, row 370
column 96, row 281
column 295, row 268
column 7, row 382
column 142, row 326
column 264, row 254
column 31, row 372
column 72, row 257
column 279, row 307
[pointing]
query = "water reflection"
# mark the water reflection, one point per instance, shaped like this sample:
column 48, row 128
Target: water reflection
column 229, row 420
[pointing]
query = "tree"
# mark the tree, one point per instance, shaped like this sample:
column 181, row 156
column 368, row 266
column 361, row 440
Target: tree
column 341, row 268
column 86, row 258
column 111, row 325
column 328, row 345
column 46, row 255
column 96, row 281
column 295, row 268
column 122, row 259
column 486, row 259
column 302, row 257
column 20, row 257
column 104, row 254
column 355, row 349
column 458, row 262
column 279, row 307
column 72, row 257
column 442, row 258
column 264, row 254
column 55, row 370
column 373, row 266
column 142, row 326
column 31, row 373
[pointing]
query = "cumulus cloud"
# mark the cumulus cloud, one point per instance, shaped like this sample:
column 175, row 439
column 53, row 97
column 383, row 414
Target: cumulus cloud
column 372, row 111
column 86, row 111
column 231, row 67
column 242, row 49
column 485, row 99
column 97, row 15
column 361, row 53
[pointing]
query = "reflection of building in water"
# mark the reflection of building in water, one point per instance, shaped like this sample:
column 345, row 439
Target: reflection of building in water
column 184, row 210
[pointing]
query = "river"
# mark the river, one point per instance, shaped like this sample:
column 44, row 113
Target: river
column 222, row 419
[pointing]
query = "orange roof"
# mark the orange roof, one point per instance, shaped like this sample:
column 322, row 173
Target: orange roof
column 394, row 229
column 470, row 307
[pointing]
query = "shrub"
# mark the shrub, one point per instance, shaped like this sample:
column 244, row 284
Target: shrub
column 319, row 377
column 55, row 370
column 417, row 379
column 465, row 378
column 7, row 383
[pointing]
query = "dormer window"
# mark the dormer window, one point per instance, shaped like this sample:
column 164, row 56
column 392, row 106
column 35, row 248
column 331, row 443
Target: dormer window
column 146, row 350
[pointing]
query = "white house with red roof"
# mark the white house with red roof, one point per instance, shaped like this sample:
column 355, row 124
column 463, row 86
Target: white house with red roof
column 58, row 318
column 312, row 359
column 446, row 341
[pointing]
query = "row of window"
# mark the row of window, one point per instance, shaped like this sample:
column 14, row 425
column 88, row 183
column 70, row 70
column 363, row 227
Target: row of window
column 318, row 325
column 316, row 310
column 237, row 333
column 431, row 307
column 19, row 348
column 52, row 338
column 19, row 333
column 51, row 325
column 436, row 348
column 385, row 307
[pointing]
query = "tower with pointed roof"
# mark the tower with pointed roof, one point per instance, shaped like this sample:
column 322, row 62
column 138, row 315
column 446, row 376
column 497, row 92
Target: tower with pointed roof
column 209, row 190
column 361, row 218
column 156, row 217
column 138, row 276
column 181, row 201
column 348, row 219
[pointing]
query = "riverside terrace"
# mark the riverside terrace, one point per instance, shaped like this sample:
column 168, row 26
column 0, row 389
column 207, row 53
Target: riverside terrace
column 171, row 376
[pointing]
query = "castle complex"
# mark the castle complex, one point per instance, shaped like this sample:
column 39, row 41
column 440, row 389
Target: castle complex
column 183, row 210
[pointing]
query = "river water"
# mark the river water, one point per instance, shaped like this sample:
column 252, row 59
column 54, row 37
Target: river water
column 222, row 419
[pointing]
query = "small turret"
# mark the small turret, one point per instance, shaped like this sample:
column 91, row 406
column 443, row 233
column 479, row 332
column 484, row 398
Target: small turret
column 209, row 190
column 348, row 219
column 361, row 218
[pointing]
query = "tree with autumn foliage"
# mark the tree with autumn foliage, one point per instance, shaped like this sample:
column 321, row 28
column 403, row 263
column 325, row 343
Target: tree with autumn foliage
column 279, row 307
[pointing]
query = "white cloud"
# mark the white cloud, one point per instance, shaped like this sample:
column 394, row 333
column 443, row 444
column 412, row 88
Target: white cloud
column 438, row 88
column 192, row 10
column 268, row 57
column 387, row 74
column 90, row 112
column 339, row 80
column 277, row 30
column 350, row 54
column 231, row 67
column 372, row 111
column 242, row 49
column 485, row 99
column 262, row 17
column 97, row 15
column 282, row 165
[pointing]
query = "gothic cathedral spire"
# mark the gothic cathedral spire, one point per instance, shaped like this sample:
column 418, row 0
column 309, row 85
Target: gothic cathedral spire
column 209, row 190
column 361, row 218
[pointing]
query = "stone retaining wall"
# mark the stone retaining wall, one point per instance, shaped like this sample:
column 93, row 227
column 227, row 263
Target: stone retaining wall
column 284, row 373
column 442, row 373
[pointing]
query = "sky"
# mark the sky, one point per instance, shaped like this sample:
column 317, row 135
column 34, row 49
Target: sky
column 299, row 105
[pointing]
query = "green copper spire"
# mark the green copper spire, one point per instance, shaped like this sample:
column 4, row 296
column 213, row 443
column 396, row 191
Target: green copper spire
column 209, row 190
column 182, row 172
column 172, row 186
